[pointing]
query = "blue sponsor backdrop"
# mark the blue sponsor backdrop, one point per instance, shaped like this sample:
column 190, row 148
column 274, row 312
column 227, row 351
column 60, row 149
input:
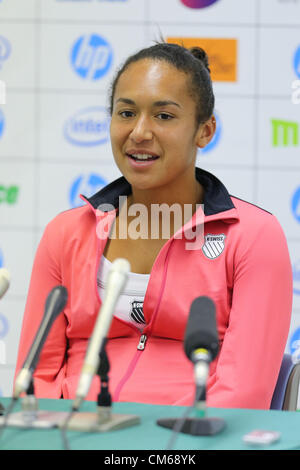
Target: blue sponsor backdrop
column 54, row 125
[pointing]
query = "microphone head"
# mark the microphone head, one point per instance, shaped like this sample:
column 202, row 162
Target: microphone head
column 4, row 281
column 117, row 276
column 201, row 330
column 57, row 299
column 120, row 265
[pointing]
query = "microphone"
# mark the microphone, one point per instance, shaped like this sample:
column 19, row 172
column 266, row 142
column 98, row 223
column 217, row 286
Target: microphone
column 117, row 278
column 4, row 281
column 4, row 285
column 55, row 303
column 201, row 342
column 201, row 345
column 96, row 361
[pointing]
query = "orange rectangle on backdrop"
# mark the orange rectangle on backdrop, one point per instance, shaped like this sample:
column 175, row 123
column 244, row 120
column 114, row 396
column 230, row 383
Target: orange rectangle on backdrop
column 222, row 55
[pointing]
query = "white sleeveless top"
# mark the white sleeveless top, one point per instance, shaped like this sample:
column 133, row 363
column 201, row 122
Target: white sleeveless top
column 129, row 307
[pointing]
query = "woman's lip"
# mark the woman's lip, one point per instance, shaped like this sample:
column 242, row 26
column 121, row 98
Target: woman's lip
column 140, row 163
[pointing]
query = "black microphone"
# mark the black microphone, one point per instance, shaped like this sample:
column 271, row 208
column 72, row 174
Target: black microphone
column 201, row 345
column 201, row 341
column 55, row 303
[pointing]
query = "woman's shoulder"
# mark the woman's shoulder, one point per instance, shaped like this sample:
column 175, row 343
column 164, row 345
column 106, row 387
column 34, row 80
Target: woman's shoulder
column 73, row 220
column 257, row 223
column 253, row 215
column 249, row 207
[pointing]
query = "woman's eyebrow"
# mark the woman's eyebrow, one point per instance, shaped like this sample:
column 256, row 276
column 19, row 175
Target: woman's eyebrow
column 166, row 103
column 155, row 104
column 125, row 100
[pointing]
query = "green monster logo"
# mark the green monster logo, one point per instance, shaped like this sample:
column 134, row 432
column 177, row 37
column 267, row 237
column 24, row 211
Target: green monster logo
column 284, row 133
column 9, row 194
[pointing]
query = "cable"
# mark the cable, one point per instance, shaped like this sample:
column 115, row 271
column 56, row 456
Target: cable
column 64, row 429
column 180, row 421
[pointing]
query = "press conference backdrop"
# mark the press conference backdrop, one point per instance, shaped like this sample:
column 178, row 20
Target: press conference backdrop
column 57, row 59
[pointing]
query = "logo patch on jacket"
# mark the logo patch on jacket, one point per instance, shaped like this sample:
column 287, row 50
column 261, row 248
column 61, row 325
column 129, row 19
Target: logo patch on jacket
column 137, row 313
column 213, row 245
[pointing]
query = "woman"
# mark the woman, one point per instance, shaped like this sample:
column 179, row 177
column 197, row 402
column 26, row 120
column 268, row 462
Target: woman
column 161, row 112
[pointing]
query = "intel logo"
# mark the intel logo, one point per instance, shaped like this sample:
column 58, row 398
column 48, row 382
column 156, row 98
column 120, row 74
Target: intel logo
column 88, row 127
column 4, row 326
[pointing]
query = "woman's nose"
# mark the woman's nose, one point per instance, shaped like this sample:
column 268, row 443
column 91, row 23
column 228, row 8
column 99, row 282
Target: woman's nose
column 142, row 130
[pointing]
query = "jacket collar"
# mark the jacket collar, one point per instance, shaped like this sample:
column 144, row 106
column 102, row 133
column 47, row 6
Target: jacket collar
column 216, row 196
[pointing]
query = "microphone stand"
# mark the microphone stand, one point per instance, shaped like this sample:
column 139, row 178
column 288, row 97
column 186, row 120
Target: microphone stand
column 199, row 425
column 31, row 416
column 30, row 405
column 103, row 420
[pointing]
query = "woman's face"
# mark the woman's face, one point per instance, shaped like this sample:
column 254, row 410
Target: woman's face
column 153, row 130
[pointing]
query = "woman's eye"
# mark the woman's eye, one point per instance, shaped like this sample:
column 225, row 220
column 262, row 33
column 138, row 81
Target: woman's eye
column 164, row 116
column 126, row 114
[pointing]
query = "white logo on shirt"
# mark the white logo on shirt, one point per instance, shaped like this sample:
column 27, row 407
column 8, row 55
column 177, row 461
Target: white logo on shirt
column 214, row 245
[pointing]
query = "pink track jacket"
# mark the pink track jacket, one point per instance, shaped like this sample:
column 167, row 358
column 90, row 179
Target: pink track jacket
column 243, row 264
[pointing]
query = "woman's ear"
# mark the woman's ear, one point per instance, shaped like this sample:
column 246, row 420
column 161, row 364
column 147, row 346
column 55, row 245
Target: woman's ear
column 206, row 132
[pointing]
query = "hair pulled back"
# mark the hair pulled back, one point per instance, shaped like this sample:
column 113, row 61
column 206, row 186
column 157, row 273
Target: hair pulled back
column 193, row 62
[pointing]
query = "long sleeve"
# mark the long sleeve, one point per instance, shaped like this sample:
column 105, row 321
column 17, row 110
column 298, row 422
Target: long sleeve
column 259, row 321
column 45, row 275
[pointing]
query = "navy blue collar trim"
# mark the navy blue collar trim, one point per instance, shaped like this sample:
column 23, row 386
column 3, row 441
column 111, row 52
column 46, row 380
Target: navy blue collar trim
column 216, row 196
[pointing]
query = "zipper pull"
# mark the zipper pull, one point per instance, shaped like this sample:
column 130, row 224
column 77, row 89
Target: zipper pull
column 142, row 343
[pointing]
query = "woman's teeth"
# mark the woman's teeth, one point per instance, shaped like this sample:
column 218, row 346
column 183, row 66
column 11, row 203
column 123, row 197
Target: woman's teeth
column 143, row 157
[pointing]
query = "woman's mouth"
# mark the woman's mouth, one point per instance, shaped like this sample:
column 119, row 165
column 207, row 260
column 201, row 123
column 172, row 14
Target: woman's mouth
column 142, row 157
column 141, row 160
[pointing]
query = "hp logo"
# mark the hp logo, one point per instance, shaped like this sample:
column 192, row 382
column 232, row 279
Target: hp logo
column 91, row 57
column 295, row 204
column 5, row 49
column 297, row 62
column 87, row 185
column 2, row 121
column 215, row 140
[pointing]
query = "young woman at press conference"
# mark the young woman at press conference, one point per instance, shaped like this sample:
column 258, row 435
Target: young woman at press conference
column 162, row 105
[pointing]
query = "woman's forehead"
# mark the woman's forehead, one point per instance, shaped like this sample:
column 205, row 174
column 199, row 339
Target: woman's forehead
column 152, row 78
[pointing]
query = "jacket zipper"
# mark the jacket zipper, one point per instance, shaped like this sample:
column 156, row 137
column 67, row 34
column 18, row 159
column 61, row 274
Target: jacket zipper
column 143, row 338
column 142, row 343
